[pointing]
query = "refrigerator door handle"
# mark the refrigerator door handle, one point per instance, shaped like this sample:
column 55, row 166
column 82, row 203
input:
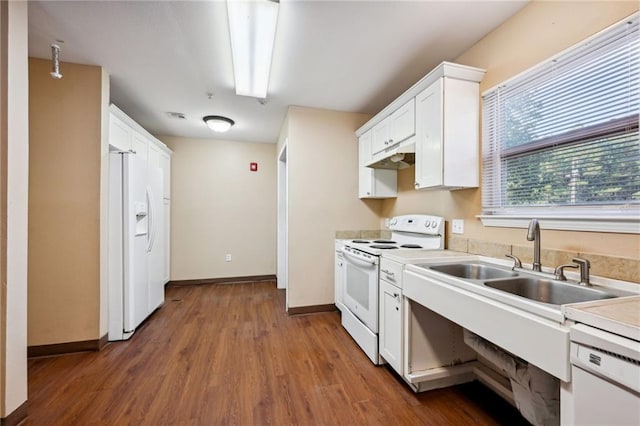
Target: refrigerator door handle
column 152, row 225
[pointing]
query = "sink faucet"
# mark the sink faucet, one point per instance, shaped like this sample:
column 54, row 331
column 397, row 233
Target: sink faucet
column 533, row 234
column 584, row 266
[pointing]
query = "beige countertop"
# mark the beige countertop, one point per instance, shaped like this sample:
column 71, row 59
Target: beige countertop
column 620, row 316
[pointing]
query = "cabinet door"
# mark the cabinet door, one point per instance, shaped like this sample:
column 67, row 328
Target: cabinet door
column 390, row 343
column 140, row 145
column 461, row 135
column 119, row 134
column 402, row 124
column 429, row 161
column 365, row 174
column 153, row 155
column 374, row 183
column 380, row 136
column 165, row 165
column 167, row 240
column 338, row 278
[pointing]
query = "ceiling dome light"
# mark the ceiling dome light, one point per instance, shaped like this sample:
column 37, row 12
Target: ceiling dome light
column 218, row 124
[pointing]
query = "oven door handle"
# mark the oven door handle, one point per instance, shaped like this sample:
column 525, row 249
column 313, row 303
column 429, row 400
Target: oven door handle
column 357, row 260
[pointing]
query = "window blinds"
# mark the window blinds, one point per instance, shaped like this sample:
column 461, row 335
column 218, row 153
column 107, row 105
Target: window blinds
column 565, row 133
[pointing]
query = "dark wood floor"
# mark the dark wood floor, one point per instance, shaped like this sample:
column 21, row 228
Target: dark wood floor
column 229, row 354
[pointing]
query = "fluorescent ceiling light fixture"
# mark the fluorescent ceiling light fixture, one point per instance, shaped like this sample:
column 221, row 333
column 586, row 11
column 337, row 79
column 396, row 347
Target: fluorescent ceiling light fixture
column 252, row 27
column 217, row 123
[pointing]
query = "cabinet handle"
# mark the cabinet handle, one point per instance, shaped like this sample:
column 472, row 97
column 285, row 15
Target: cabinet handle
column 388, row 272
column 395, row 295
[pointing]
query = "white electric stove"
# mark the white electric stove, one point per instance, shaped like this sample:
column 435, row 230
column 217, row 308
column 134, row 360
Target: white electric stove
column 410, row 234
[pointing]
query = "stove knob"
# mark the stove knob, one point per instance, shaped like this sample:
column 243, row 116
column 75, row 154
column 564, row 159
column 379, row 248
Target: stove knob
column 434, row 223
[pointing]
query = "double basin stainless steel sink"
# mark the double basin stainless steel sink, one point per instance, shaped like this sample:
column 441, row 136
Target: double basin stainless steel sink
column 525, row 285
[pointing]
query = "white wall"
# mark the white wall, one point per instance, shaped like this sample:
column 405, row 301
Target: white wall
column 15, row 321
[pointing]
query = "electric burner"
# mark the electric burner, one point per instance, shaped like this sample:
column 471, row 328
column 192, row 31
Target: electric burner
column 384, row 241
column 360, row 241
column 411, row 246
column 383, row 246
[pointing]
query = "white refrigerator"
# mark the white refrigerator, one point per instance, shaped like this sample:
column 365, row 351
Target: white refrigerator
column 136, row 286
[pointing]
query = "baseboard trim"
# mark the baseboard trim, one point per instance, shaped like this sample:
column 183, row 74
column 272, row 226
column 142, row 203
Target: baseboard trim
column 311, row 309
column 228, row 280
column 103, row 342
column 67, row 348
column 16, row 417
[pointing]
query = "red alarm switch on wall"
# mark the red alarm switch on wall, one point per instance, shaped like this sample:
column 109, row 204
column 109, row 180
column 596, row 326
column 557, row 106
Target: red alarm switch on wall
column 253, row 167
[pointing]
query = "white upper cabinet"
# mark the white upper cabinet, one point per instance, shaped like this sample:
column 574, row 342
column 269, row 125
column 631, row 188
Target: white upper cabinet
column 120, row 134
column 397, row 127
column 447, row 135
column 140, row 145
column 374, row 183
column 127, row 135
column 380, row 136
column 153, row 156
column 435, row 124
column 402, row 123
column 160, row 157
column 165, row 165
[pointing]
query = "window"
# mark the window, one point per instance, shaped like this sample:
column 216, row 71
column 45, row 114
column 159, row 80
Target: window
column 562, row 139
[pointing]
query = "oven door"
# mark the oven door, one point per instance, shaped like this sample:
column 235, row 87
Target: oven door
column 360, row 292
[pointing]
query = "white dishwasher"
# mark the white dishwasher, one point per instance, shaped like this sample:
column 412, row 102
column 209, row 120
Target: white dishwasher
column 605, row 370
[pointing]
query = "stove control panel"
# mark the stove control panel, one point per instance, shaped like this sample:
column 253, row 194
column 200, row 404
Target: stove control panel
column 420, row 224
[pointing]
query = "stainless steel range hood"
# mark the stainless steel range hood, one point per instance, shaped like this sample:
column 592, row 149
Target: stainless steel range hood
column 395, row 157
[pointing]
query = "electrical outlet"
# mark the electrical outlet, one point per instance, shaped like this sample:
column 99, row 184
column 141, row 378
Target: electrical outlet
column 457, row 226
column 227, row 258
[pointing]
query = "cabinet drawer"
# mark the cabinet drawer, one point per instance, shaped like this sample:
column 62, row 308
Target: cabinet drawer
column 391, row 271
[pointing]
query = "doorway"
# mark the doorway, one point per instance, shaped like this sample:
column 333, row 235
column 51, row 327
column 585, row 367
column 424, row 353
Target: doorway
column 282, row 241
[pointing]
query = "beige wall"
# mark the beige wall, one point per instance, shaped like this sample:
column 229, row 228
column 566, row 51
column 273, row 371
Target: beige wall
column 14, row 169
column 219, row 207
column 322, row 157
column 64, row 203
column 538, row 31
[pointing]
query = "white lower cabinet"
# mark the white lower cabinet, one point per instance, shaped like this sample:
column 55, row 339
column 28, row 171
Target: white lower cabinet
column 167, row 240
column 338, row 275
column 390, row 332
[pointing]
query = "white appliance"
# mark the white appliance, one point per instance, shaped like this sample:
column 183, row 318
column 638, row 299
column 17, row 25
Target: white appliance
column 136, row 272
column 605, row 375
column 361, row 260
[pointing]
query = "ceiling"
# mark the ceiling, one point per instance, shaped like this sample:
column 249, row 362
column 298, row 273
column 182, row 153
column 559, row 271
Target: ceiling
column 164, row 56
